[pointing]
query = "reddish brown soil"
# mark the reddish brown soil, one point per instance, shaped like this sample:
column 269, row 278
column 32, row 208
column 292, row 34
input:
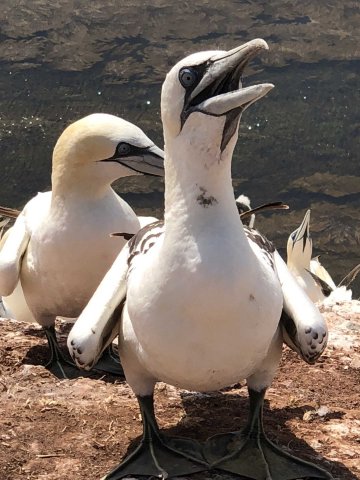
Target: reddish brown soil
column 81, row 428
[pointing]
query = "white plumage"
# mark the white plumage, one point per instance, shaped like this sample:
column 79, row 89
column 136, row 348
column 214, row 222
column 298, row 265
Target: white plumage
column 199, row 298
column 60, row 246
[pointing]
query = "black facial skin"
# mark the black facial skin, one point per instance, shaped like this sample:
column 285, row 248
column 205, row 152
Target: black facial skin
column 124, row 150
column 198, row 73
column 232, row 119
column 190, row 77
column 304, row 239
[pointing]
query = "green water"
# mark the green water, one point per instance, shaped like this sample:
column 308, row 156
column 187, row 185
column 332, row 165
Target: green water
column 299, row 145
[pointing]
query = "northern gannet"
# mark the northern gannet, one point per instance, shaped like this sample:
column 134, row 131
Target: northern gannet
column 58, row 250
column 309, row 272
column 198, row 297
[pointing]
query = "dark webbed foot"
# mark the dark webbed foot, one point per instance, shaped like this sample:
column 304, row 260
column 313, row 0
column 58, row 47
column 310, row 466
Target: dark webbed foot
column 159, row 455
column 251, row 454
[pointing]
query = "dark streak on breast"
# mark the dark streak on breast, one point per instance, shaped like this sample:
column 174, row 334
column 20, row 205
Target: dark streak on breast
column 204, row 199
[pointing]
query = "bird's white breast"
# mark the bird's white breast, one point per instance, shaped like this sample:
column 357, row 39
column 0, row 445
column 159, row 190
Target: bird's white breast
column 201, row 321
column 70, row 251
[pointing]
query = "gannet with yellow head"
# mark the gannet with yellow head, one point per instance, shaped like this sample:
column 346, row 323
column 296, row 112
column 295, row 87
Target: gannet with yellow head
column 59, row 248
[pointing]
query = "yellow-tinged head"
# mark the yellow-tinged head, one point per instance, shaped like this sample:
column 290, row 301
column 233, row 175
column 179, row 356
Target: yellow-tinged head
column 96, row 150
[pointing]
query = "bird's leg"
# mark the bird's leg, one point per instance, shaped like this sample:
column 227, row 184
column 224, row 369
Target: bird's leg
column 57, row 360
column 159, row 455
column 251, row 454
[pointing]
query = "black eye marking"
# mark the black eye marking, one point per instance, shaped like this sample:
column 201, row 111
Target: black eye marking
column 188, row 77
column 123, row 148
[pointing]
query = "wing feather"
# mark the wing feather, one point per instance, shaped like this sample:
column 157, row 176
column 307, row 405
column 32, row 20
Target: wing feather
column 98, row 323
column 304, row 328
column 13, row 247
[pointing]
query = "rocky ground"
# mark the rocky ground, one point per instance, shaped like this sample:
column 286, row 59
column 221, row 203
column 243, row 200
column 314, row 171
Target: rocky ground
column 80, row 428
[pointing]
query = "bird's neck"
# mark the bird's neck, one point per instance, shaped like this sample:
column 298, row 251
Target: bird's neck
column 299, row 258
column 199, row 196
column 77, row 182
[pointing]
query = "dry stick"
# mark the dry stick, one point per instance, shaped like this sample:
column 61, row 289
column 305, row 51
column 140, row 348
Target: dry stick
column 9, row 212
column 266, row 206
column 350, row 277
column 50, row 455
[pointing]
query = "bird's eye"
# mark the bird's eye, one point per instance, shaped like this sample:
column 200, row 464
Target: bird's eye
column 293, row 235
column 123, row 148
column 187, row 77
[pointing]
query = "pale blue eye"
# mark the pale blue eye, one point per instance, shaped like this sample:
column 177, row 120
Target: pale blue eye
column 187, row 77
column 123, row 148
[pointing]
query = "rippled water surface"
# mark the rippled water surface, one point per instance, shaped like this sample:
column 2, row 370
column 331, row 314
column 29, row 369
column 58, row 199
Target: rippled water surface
column 62, row 60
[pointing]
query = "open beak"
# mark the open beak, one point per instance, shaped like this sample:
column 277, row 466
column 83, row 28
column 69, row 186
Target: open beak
column 149, row 162
column 220, row 89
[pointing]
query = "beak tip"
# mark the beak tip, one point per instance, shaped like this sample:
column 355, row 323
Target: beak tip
column 265, row 88
column 270, row 86
column 260, row 43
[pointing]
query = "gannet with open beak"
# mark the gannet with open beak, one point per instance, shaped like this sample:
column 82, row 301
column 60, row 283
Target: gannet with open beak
column 199, row 298
column 60, row 246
